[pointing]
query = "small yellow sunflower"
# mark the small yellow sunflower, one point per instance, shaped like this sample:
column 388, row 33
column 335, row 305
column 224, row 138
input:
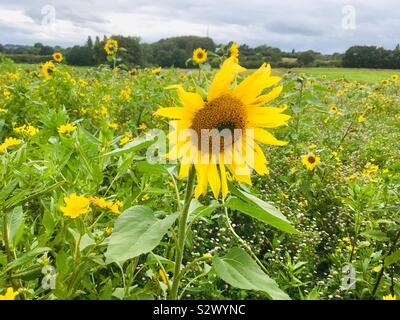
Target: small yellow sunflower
column 66, row 128
column 310, row 161
column 75, row 206
column 394, row 78
column 156, row 70
column 111, row 47
column 239, row 111
column 390, row 297
column 58, row 57
column 48, row 69
column 385, row 82
column 361, row 119
column 200, row 55
column 134, row 72
column 333, row 109
column 10, row 294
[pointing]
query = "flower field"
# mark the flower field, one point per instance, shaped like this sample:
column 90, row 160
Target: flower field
column 85, row 215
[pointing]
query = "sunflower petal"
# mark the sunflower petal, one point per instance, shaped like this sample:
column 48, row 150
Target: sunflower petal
column 268, row 121
column 260, row 164
column 254, row 156
column 201, row 187
column 239, row 169
column 173, row 113
column 190, row 100
column 223, row 79
column 264, row 111
column 260, row 152
column 184, row 170
column 275, row 93
column 265, row 137
column 214, row 180
column 251, row 87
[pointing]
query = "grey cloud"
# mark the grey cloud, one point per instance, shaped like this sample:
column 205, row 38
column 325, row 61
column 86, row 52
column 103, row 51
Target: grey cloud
column 286, row 24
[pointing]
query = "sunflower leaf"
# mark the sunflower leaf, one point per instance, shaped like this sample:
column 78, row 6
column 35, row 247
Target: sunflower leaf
column 136, row 231
column 239, row 270
column 135, row 145
column 259, row 209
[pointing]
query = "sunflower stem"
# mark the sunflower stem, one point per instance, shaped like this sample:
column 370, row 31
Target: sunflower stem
column 391, row 250
column 182, row 226
column 5, row 238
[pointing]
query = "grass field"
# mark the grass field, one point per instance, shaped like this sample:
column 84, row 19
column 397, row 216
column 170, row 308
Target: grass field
column 84, row 215
column 361, row 75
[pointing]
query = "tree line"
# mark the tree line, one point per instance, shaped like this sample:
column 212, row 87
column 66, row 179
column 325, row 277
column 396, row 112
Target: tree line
column 176, row 51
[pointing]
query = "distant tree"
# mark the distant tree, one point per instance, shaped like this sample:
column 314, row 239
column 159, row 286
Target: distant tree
column 132, row 55
column 80, row 56
column 98, row 52
column 89, row 43
column 148, row 55
column 1, row 48
column 163, row 51
column 370, row 57
column 46, row 50
column 306, row 58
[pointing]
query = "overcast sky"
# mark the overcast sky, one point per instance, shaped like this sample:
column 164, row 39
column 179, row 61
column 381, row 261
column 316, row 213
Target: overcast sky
column 323, row 25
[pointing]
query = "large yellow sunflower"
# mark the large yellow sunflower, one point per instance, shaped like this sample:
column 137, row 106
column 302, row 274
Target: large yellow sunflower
column 200, row 55
column 229, row 109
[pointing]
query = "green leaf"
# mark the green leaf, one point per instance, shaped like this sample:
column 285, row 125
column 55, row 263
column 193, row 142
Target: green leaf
column 89, row 143
column 375, row 235
column 6, row 191
column 314, row 294
column 26, row 257
column 153, row 169
column 197, row 210
column 239, row 270
column 48, row 222
column 136, row 231
column 15, row 219
column 266, row 213
column 393, row 258
column 135, row 145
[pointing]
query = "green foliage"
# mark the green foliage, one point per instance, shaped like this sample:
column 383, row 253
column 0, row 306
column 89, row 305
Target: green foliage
column 168, row 52
column 259, row 209
column 239, row 270
column 371, row 57
column 175, row 51
column 290, row 234
column 80, row 56
column 306, row 58
column 137, row 231
column 29, row 58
